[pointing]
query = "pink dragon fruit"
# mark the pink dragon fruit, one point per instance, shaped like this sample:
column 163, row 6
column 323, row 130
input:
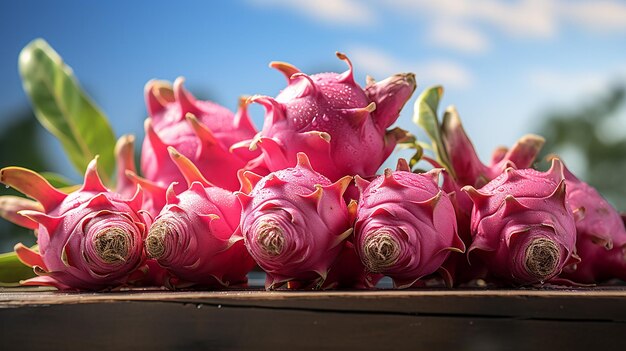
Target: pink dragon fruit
column 601, row 235
column 340, row 126
column 201, row 130
column 465, row 168
column 89, row 239
column 295, row 223
column 196, row 235
column 522, row 228
column 406, row 225
column 466, row 165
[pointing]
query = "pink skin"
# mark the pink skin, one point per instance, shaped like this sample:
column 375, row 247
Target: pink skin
column 90, row 239
column 153, row 199
column 328, row 116
column 406, row 225
column 468, row 169
column 200, row 130
column 522, row 228
column 348, row 272
column 601, row 236
column 10, row 206
column 295, row 223
column 196, row 235
column 128, row 180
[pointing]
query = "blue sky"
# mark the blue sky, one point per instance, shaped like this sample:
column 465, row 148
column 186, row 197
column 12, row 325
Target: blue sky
column 502, row 63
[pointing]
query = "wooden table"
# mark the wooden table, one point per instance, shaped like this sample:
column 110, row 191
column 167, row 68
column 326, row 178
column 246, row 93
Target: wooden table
column 550, row 319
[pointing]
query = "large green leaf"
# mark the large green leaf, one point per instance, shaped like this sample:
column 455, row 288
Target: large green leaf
column 64, row 108
column 57, row 180
column 425, row 116
column 12, row 270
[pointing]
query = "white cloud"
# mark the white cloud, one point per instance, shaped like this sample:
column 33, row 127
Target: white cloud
column 459, row 24
column 380, row 64
column 533, row 18
column 603, row 15
column 343, row 12
column 456, row 35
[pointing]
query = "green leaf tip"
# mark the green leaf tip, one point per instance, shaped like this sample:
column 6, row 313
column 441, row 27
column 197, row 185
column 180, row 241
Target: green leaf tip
column 64, row 109
column 426, row 117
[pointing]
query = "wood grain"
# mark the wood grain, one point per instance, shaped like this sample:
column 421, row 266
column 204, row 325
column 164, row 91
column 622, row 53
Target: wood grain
column 367, row 320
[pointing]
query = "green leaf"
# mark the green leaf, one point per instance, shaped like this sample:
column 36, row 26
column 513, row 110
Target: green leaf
column 425, row 116
column 63, row 108
column 12, row 270
column 57, row 180
column 419, row 152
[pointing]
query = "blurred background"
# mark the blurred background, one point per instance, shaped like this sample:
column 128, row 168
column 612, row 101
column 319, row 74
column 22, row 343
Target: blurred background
column 552, row 67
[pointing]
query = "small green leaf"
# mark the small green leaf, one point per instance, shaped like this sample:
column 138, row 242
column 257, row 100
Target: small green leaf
column 425, row 116
column 63, row 108
column 417, row 156
column 57, row 180
column 12, row 270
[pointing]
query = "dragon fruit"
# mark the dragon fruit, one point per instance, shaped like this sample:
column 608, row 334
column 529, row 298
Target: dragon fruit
column 522, row 228
column 89, row 239
column 406, row 225
column 201, row 130
column 601, row 235
column 196, row 235
column 295, row 223
column 328, row 116
column 466, row 165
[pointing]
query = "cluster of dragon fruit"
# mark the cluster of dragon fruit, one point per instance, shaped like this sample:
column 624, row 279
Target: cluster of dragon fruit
column 214, row 198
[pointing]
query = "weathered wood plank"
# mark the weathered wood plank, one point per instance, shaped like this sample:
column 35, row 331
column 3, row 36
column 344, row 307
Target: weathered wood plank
column 139, row 325
column 253, row 319
column 585, row 304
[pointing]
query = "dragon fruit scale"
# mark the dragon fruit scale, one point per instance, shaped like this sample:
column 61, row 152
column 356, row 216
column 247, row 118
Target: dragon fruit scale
column 201, row 130
column 466, row 165
column 522, row 228
column 295, row 223
column 90, row 239
column 601, row 235
column 340, row 126
column 128, row 180
column 196, row 235
column 406, row 225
